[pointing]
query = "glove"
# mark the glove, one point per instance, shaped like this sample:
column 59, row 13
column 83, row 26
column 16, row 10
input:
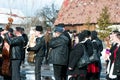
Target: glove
column 28, row 49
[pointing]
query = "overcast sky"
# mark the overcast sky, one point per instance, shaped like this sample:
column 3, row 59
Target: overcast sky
column 28, row 7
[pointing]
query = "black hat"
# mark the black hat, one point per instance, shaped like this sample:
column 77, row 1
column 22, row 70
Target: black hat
column 1, row 30
column 86, row 33
column 39, row 28
column 81, row 37
column 10, row 30
column 19, row 29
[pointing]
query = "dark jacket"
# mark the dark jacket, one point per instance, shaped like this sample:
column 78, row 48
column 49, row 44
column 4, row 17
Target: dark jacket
column 1, row 44
column 39, row 48
column 113, row 47
column 59, row 52
column 25, row 38
column 25, row 44
column 97, row 46
column 16, row 46
column 116, row 70
column 75, row 55
column 100, row 45
column 88, row 46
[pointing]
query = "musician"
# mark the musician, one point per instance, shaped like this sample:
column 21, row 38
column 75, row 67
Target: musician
column 39, row 49
column 1, row 45
column 11, row 35
column 16, row 44
column 26, row 42
column 1, row 42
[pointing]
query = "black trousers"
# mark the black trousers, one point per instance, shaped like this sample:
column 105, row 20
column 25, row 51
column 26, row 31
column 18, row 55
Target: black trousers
column 7, row 78
column 60, row 72
column 78, row 78
column 92, row 76
column 38, row 63
column 15, row 67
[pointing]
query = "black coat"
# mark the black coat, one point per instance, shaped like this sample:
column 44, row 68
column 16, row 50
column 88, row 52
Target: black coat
column 16, row 46
column 112, row 52
column 100, row 46
column 25, row 44
column 75, row 55
column 116, row 70
column 59, row 50
column 1, row 44
column 39, row 48
column 89, row 47
column 97, row 45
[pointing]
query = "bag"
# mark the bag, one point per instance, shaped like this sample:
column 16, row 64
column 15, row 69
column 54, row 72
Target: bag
column 84, row 60
column 94, row 57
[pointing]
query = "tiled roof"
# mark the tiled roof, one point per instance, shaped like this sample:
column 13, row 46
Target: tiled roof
column 79, row 11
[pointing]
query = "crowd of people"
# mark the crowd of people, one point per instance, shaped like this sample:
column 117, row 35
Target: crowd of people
column 64, row 49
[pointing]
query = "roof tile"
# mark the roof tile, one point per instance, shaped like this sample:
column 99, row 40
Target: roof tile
column 78, row 11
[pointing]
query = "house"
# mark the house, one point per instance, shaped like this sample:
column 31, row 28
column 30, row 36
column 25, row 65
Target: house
column 16, row 15
column 76, row 13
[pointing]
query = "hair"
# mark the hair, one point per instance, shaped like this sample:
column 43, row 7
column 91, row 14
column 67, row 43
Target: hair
column 115, row 31
column 86, row 33
column 81, row 37
column 118, row 35
column 19, row 29
column 93, row 35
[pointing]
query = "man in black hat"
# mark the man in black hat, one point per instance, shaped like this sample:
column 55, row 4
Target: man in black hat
column 39, row 49
column 16, row 50
column 26, row 41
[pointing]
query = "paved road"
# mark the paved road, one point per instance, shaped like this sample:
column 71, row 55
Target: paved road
column 27, row 72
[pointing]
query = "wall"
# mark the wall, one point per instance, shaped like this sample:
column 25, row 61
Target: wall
column 80, row 28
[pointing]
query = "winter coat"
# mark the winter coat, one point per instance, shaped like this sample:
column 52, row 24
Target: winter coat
column 88, row 46
column 39, row 48
column 116, row 70
column 75, row 55
column 59, row 50
column 16, row 46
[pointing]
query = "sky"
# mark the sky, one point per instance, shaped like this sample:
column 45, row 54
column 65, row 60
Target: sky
column 28, row 7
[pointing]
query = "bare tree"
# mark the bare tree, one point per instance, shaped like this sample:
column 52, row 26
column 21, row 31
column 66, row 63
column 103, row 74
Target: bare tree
column 47, row 15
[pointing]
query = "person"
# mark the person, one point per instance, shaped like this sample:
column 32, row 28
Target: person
column 113, row 65
column 73, row 37
column 87, row 42
column 16, row 44
column 58, row 55
column 1, row 46
column 74, row 72
column 39, row 50
column 116, row 70
column 94, row 67
column 25, row 43
column 88, row 46
column 48, row 36
column 99, row 47
column 1, row 42
column 10, row 30
column 108, row 51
